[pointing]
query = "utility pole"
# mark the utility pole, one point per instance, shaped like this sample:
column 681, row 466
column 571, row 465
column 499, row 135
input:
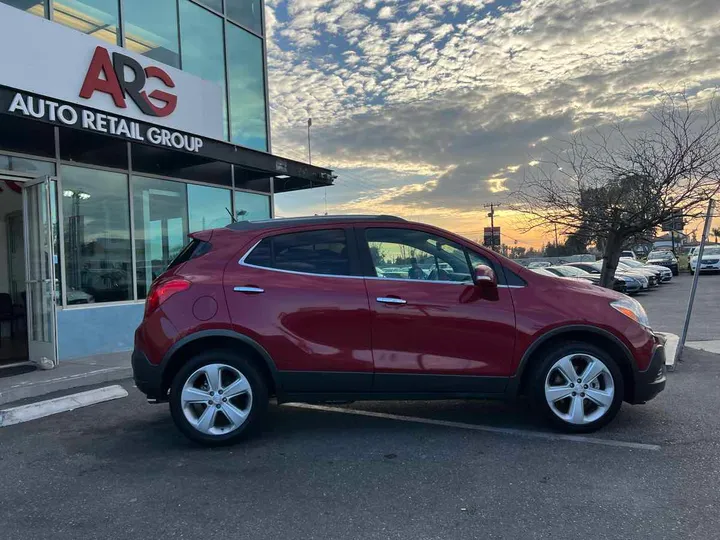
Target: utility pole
column 556, row 239
column 491, row 215
column 309, row 151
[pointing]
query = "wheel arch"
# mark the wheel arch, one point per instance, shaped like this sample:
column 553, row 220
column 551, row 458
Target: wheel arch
column 589, row 334
column 184, row 349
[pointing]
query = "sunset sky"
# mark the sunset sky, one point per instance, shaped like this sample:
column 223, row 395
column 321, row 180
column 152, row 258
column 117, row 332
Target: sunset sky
column 429, row 109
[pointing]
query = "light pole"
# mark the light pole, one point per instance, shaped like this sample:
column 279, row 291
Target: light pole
column 309, row 151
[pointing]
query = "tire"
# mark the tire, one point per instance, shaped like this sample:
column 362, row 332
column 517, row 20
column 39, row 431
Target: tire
column 235, row 417
column 608, row 381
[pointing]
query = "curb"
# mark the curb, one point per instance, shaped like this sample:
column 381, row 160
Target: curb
column 671, row 344
column 34, row 411
column 41, row 388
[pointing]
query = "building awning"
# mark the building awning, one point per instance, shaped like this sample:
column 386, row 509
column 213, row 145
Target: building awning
column 170, row 149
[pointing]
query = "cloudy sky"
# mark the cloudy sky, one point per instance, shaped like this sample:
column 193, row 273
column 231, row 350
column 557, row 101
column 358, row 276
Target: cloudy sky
column 430, row 109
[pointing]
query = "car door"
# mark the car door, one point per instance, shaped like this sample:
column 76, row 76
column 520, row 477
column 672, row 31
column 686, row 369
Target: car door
column 433, row 330
column 301, row 295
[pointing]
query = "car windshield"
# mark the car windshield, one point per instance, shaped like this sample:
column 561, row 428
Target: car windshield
column 660, row 255
column 712, row 250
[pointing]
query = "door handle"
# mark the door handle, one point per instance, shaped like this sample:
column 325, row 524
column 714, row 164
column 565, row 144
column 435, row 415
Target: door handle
column 390, row 300
column 249, row 290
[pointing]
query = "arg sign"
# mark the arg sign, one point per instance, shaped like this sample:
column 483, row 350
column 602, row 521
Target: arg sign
column 80, row 117
column 111, row 77
column 65, row 66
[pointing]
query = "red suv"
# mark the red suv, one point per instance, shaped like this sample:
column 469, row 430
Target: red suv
column 370, row 308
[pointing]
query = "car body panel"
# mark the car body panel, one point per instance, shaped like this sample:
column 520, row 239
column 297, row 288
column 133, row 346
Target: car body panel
column 445, row 328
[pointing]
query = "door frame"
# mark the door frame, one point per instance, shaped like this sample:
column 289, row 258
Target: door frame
column 48, row 350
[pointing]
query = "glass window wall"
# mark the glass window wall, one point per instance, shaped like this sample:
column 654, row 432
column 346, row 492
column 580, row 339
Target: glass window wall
column 246, row 88
column 251, row 206
column 98, row 18
column 31, row 6
column 246, row 12
column 213, row 4
column 208, row 207
column 96, row 221
column 26, row 165
column 203, row 53
column 151, row 29
column 161, row 226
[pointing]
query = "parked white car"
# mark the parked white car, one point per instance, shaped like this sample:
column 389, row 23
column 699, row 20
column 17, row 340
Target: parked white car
column 628, row 254
column 710, row 260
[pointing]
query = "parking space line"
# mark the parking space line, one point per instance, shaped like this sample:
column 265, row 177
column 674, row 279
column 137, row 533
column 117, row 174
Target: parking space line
column 480, row 427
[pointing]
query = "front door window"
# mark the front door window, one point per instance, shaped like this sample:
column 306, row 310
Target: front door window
column 417, row 255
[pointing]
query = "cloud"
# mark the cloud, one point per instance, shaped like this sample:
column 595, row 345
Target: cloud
column 456, row 97
column 385, row 12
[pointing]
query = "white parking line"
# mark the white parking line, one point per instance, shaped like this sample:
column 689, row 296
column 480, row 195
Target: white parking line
column 33, row 411
column 480, row 427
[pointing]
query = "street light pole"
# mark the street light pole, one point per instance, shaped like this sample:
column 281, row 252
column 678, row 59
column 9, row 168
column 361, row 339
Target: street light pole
column 309, row 125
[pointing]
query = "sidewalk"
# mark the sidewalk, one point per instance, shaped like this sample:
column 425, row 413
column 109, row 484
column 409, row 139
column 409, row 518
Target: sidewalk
column 69, row 374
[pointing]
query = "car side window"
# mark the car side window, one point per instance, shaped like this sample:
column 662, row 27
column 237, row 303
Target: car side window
column 477, row 259
column 322, row 252
column 416, row 255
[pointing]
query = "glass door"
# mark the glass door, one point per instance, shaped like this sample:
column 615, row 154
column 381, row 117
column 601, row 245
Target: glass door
column 40, row 272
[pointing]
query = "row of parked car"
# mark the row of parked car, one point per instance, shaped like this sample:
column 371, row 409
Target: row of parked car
column 631, row 277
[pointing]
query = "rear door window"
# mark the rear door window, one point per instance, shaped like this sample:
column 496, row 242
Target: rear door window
column 323, row 252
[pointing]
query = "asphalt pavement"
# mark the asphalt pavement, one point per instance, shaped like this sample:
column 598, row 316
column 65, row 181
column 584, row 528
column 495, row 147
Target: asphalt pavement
column 666, row 306
column 120, row 470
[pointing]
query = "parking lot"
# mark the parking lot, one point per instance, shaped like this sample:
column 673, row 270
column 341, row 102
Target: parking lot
column 666, row 306
column 120, row 470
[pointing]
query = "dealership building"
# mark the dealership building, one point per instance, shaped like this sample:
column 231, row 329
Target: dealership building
column 125, row 125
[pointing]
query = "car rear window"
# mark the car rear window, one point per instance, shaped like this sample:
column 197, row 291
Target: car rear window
column 195, row 248
column 322, row 252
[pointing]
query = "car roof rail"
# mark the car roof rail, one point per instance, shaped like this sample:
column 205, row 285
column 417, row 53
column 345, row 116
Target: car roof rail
column 309, row 220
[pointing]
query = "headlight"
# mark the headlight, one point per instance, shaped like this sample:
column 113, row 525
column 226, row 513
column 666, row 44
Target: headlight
column 631, row 308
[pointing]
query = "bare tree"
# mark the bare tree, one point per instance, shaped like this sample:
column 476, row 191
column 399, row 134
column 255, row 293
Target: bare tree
column 614, row 186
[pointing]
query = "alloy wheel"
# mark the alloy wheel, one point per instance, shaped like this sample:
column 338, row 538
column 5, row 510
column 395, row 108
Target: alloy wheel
column 216, row 399
column 579, row 388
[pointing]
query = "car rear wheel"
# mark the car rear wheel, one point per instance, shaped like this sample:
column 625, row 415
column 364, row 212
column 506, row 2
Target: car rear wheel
column 578, row 386
column 218, row 398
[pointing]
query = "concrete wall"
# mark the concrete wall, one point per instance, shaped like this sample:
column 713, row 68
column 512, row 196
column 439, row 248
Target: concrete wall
column 98, row 329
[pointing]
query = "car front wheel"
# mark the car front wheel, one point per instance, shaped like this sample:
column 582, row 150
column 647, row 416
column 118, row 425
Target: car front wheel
column 218, row 398
column 578, row 386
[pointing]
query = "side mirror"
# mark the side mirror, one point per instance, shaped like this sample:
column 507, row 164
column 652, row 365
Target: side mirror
column 485, row 276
